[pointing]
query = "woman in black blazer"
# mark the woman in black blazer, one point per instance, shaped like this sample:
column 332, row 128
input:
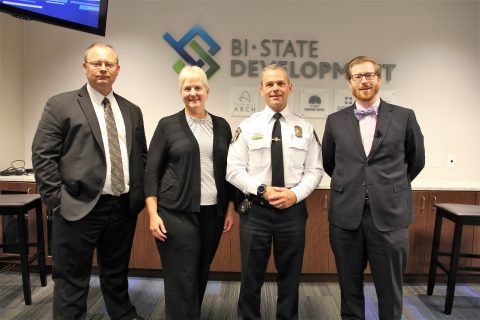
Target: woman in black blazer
column 187, row 197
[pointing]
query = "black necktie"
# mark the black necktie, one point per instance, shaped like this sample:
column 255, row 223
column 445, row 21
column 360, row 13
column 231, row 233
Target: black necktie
column 118, row 181
column 277, row 154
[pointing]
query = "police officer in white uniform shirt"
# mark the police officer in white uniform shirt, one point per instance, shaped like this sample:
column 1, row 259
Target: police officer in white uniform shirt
column 275, row 160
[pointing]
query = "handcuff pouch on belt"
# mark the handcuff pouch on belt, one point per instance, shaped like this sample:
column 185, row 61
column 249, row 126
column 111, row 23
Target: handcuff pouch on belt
column 244, row 206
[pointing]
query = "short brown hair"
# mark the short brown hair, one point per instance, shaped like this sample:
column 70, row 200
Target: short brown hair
column 360, row 60
column 274, row 66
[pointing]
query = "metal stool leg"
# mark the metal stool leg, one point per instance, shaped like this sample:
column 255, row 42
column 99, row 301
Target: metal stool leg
column 434, row 257
column 23, row 247
column 41, row 246
column 452, row 274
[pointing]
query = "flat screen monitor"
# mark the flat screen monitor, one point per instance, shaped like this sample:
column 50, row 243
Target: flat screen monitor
column 84, row 15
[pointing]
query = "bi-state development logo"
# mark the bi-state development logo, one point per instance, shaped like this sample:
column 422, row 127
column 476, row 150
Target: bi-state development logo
column 188, row 39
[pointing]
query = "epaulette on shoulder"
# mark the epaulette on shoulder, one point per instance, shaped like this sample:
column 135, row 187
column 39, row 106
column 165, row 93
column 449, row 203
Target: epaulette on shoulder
column 298, row 115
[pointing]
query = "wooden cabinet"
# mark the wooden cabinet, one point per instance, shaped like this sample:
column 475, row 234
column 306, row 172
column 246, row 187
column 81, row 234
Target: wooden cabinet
column 144, row 253
column 234, row 235
column 222, row 260
column 417, row 233
column 318, row 256
column 319, row 259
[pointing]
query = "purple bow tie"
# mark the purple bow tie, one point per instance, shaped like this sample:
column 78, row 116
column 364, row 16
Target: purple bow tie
column 360, row 113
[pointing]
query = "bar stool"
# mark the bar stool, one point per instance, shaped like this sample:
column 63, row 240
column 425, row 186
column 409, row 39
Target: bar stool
column 19, row 205
column 460, row 215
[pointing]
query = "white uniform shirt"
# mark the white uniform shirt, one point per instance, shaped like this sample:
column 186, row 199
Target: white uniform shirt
column 249, row 155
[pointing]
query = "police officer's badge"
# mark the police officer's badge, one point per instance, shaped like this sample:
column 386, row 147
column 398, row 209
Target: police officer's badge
column 298, row 132
column 316, row 138
column 236, row 134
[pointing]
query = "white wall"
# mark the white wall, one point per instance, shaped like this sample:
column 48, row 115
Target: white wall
column 12, row 115
column 435, row 44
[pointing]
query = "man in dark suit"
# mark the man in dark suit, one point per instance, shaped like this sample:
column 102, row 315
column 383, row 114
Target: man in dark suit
column 372, row 150
column 88, row 155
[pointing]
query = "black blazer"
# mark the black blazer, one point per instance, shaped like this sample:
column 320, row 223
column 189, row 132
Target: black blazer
column 173, row 166
column 69, row 158
column 396, row 158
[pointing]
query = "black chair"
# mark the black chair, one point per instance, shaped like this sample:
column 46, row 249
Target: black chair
column 460, row 215
column 19, row 205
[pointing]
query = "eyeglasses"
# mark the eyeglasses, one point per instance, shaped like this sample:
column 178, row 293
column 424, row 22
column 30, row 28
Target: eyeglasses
column 369, row 76
column 99, row 64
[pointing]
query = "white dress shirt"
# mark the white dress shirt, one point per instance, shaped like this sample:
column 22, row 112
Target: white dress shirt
column 367, row 126
column 249, row 155
column 97, row 98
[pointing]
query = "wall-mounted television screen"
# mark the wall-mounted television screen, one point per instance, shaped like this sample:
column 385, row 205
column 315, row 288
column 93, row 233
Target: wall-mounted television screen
column 84, row 15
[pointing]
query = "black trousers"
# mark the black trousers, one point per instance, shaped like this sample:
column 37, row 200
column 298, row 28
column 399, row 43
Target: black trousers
column 186, row 255
column 258, row 228
column 109, row 228
column 387, row 254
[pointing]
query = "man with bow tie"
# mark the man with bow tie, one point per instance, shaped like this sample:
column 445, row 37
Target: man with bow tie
column 372, row 150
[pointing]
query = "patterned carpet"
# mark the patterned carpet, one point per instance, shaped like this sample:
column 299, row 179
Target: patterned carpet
column 317, row 300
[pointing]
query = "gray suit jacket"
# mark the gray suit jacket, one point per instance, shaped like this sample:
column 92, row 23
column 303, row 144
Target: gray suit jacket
column 69, row 158
column 396, row 158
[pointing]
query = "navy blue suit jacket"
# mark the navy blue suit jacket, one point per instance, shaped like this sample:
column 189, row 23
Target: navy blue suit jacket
column 396, row 158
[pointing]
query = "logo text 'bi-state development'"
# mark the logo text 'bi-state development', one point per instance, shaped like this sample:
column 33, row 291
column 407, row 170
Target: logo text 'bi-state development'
column 186, row 58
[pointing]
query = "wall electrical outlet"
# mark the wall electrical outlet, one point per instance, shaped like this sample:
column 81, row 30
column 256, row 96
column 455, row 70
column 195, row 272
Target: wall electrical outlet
column 451, row 160
column 437, row 161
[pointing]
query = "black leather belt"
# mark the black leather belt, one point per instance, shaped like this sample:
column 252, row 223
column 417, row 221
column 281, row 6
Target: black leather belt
column 261, row 202
column 108, row 199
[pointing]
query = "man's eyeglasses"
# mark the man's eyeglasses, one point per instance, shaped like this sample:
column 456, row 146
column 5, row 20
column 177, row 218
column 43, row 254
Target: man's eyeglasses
column 369, row 76
column 99, row 64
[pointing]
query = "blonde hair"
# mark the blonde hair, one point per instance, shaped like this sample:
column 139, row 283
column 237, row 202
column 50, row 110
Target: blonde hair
column 194, row 72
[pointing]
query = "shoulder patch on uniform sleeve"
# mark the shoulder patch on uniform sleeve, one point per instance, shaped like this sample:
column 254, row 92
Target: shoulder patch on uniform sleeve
column 236, row 134
column 316, row 138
